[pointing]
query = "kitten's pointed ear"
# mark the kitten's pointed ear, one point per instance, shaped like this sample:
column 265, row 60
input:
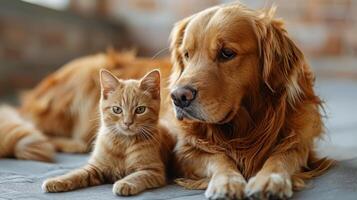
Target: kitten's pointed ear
column 151, row 83
column 108, row 82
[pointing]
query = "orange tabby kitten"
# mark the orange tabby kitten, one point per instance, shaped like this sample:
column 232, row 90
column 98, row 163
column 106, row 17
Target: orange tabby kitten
column 131, row 150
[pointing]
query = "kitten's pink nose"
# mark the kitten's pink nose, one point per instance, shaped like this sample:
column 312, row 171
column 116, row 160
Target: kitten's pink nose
column 128, row 123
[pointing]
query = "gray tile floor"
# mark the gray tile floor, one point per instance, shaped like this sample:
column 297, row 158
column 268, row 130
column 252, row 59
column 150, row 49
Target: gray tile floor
column 341, row 122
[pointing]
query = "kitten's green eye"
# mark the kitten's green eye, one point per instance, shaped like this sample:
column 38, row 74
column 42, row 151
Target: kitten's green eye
column 117, row 109
column 140, row 110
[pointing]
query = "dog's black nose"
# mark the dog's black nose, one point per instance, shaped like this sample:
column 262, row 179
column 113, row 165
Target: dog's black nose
column 183, row 96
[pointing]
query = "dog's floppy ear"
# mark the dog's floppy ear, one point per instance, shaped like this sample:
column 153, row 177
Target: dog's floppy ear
column 281, row 59
column 176, row 38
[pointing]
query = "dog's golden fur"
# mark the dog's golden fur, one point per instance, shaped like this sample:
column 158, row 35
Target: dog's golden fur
column 257, row 113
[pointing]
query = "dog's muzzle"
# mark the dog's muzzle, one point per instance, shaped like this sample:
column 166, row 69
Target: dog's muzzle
column 183, row 96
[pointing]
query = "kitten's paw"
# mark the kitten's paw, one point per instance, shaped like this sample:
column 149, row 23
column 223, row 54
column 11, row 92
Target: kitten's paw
column 226, row 187
column 123, row 188
column 273, row 186
column 55, row 185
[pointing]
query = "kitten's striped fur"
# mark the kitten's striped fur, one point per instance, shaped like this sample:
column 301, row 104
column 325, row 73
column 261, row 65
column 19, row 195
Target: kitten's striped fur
column 134, row 158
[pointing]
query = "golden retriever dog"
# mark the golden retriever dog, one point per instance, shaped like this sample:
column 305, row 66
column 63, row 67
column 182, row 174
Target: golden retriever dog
column 247, row 112
column 242, row 106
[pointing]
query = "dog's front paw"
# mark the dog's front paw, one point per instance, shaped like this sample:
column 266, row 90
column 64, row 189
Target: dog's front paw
column 56, row 185
column 226, row 187
column 124, row 188
column 272, row 186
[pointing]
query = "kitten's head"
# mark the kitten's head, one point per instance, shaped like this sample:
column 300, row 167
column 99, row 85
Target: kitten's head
column 130, row 107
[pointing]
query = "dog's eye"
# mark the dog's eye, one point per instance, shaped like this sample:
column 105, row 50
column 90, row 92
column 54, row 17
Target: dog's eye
column 187, row 56
column 117, row 110
column 140, row 109
column 226, row 54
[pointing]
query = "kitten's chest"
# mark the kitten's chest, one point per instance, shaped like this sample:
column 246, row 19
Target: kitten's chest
column 121, row 159
column 113, row 163
column 122, row 164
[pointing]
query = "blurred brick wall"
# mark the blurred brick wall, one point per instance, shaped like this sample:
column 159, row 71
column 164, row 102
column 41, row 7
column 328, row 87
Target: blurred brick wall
column 148, row 22
column 35, row 41
column 320, row 27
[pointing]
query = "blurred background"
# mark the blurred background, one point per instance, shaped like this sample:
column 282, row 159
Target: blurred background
column 38, row 36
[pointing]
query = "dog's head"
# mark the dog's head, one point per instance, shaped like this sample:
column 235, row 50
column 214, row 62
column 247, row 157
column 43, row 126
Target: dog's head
column 223, row 53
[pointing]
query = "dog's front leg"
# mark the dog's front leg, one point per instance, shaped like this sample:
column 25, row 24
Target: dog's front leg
column 273, row 181
column 226, row 181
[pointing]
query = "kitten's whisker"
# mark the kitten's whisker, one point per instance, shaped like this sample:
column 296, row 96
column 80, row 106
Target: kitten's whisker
column 145, row 134
column 152, row 136
column 95, row 119
column 113, row 129
column 159, row 52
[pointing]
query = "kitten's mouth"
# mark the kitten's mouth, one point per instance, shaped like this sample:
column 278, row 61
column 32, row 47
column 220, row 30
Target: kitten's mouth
column 126, row 131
